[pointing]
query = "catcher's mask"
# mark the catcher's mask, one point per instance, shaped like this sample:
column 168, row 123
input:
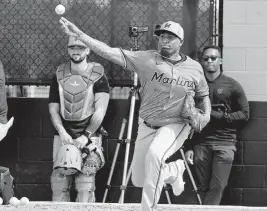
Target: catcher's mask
column 68, row 160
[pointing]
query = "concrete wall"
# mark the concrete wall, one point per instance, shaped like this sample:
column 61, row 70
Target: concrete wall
column 245, row 45
column 245, row 54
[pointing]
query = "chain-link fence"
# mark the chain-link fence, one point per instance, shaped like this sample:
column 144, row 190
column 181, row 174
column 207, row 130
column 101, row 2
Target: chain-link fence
column 33, row 45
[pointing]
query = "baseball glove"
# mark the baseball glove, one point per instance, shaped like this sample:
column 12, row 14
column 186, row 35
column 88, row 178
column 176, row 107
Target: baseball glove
column 192, row 115
column 93, row 162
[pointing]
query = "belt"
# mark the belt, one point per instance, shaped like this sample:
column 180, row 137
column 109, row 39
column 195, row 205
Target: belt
column 151, row 126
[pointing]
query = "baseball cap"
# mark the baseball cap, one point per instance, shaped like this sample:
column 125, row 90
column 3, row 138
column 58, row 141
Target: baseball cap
column 73, row 41
column 172, row 27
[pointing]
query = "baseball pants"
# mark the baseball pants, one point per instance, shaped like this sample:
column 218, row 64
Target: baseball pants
column 152, row 148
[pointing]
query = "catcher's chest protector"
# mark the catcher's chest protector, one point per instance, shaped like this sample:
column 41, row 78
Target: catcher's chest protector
column 6, row 185
column 76, row 91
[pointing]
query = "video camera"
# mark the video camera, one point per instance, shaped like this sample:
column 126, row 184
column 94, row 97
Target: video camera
column 135, row 30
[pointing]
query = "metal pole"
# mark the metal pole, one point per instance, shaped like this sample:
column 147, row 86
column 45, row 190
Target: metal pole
column 128, row 140
column 120, row 141
column 129, row 131
column 191, row 176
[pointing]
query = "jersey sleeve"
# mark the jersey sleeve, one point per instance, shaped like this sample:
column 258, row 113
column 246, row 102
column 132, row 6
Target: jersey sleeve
column 102, row 85
column 202, row 88
column 53, row 92
column 137, row 61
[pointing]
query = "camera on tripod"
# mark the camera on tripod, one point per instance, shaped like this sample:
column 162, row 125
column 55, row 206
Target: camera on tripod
column 135, row 30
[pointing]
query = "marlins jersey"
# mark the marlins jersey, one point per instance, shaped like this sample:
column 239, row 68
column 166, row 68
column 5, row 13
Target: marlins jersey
column 164, row 85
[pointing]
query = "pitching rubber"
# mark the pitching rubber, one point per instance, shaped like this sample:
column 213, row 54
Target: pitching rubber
column 71, row 206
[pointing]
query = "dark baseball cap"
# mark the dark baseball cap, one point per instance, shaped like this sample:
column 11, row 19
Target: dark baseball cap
column 73, row 41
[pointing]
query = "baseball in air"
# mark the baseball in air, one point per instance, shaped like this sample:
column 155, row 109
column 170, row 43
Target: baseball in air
column 24, row 200
column 14, row 201
column 60, row 9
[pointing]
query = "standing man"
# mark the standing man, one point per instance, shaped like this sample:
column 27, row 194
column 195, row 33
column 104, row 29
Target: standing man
column 214, row 148
column 78, row 100
column 167, row 78
column 4, row 124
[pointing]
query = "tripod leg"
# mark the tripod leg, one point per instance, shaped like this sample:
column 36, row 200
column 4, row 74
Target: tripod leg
column 167, row 194
column 128, row 139
column 191, row 176
column 124, row 122
column 127, row 181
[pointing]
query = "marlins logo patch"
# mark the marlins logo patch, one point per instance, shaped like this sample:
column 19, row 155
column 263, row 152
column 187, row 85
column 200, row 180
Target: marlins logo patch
column 219, row 91
column 167, row 25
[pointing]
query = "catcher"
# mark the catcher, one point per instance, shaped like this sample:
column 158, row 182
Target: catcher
column 78, row 100
column 167, row 113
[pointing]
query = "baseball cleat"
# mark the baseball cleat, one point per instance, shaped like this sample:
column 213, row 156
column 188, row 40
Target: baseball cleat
column 178, row 184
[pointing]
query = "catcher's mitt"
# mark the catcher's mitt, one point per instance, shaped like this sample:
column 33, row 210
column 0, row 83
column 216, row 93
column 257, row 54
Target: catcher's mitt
column 194, row 116
column 93, row 162
column 93, row 157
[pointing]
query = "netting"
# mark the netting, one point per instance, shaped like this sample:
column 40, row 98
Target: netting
column 33, row 45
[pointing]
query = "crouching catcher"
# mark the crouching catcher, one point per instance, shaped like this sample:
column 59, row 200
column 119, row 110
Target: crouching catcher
column 78, row 100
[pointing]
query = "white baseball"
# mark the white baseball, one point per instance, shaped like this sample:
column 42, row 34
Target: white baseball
column 14, row 201
column 24, row 200
column 1, row 201
column 60, row 9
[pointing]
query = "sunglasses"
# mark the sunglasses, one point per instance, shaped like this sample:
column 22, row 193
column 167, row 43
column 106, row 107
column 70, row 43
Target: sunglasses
column 213, row 58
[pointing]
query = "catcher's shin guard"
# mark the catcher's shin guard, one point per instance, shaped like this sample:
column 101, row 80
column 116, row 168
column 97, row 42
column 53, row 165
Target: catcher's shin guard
column 85, row 186
column 60, row 185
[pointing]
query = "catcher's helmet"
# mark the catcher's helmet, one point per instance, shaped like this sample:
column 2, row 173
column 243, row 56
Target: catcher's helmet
column 68, row 160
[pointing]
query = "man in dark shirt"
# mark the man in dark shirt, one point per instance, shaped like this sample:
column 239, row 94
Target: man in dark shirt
column 212, row 150
column 78, row 100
